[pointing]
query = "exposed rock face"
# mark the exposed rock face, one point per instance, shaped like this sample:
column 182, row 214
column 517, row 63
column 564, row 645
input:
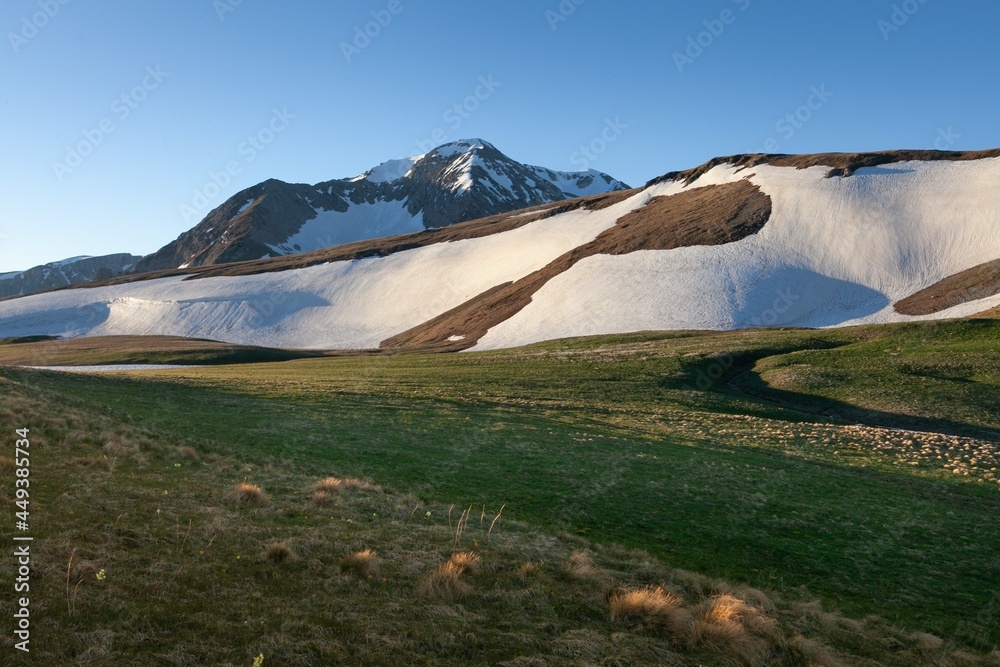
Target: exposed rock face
column 460, row 181
column 67, row 272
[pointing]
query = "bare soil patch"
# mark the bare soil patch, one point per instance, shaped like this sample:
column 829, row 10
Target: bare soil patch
column 979, row 282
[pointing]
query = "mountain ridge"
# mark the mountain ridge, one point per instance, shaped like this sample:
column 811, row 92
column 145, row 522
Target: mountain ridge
column 458, row 181
column 784, row 243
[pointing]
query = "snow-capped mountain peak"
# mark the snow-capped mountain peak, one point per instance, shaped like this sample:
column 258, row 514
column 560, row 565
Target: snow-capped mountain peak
column 390, row 170
column 458, row 181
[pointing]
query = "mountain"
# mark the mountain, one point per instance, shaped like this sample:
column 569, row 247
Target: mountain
column 743, row 241
column 459, row 181
column 66, row 272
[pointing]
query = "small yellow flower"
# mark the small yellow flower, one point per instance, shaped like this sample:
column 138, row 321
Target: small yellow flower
column 101, row 575
column 258, row 661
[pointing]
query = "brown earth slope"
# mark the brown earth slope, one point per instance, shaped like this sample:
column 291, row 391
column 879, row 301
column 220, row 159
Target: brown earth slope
column 841, row 164
column 712, row 215
column 979, row 282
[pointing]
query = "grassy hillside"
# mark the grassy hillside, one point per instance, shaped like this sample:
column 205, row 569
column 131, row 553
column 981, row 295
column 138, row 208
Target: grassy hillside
column 760, row 461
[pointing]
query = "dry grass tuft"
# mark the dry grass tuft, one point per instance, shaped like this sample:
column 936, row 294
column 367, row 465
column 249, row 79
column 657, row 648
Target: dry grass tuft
column 736, row 629
column 464, row 562
column 653, row 607
column 361, row 564
column 336, row 484
column 926, row 642
column 812, row 652
column 644, row 604
column 580, row 566
column 444, row 583
column 7, row 463
column 249, row 495
column 279, row 553
column 965, row 659
column 730, row 610
column 530, row 570
column 322, row 499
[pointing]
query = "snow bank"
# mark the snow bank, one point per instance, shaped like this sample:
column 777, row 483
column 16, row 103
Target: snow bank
column 836, row 251
column 353, row 304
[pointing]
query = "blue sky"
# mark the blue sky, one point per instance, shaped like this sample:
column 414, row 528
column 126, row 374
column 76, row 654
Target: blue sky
column 125, row 122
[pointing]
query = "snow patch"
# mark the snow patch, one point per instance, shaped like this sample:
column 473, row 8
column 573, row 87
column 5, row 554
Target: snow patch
column 391, row 170
column 836, row 251
column 359, row 222
column 348, row 305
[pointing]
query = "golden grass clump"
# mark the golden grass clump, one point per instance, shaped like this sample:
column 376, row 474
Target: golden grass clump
column 653, row 607
column 739, row 630
column 249, row 495
column 465, row 562
column 580, row 566
column 361, row 564
column 445, row 582
column 730, row 610
column 7, row 463
column 642, row 603
column 279, row 553
column 322, row 499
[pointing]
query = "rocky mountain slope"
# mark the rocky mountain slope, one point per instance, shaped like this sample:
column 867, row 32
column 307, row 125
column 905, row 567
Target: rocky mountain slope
column 744, row 241
column 459, row 181
column 66, row 272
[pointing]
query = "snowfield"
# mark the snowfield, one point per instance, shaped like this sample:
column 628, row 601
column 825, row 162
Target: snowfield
column 351, row 305
column 360, row 221
column 836, row 251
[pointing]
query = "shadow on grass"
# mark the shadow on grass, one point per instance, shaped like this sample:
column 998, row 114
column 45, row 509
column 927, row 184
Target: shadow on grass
column 734, row 375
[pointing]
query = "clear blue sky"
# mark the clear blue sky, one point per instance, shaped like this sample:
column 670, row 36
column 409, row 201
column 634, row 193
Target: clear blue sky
column 560, row 71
